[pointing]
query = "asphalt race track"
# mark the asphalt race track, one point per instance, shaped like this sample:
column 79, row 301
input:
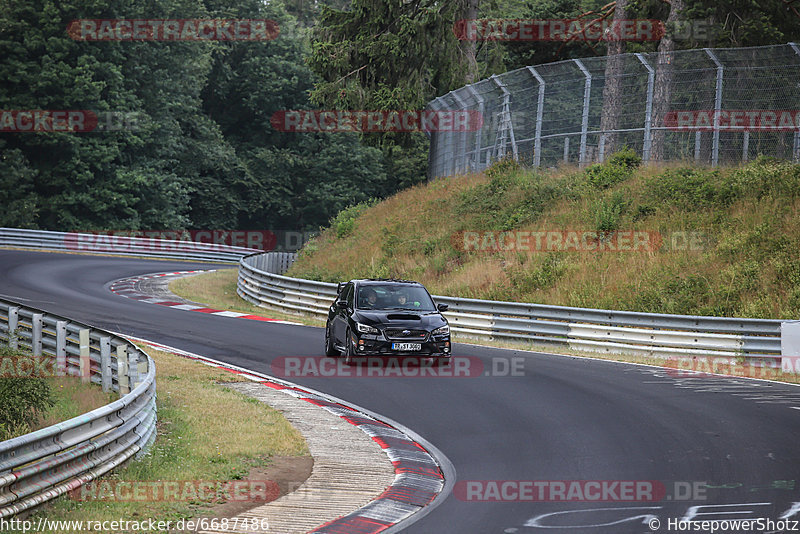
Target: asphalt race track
column 718, row 448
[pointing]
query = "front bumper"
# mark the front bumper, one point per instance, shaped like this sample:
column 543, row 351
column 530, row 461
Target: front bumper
column 371, row 345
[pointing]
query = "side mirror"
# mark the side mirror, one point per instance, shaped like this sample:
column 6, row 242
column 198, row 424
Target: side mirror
column 341, row 304
column 442, row 307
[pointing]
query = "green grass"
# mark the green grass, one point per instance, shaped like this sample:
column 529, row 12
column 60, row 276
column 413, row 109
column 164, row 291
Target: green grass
column 205, row 432
column 218, row 290
column 728, row 238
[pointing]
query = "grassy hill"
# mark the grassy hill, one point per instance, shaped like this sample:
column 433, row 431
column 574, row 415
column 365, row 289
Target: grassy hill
column 722, row 242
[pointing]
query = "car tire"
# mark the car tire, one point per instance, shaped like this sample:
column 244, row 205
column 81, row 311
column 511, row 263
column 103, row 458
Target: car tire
column 330, row 349
column 349, row 354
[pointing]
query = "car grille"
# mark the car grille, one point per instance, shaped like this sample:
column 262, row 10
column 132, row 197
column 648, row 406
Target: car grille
column 405, row 334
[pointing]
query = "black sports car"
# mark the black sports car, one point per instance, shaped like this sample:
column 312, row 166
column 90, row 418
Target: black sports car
column 386, row 318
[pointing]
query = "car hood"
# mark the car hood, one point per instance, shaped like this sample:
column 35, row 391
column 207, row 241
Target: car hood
column 401, row 318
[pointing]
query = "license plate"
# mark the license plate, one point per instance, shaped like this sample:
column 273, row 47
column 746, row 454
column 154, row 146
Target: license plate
column 407, row 346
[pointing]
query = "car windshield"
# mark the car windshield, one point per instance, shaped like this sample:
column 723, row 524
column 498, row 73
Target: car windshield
column 394, row 297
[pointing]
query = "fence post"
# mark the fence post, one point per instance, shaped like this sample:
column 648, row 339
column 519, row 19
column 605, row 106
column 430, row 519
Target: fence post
column 566, row 150
column 105, row 363
column 745, row 145
column 587, row 90
column 601, row 147
column 61, row 348
column 648, row 109
column 796, row 151
column 446, row 142
column 13, row 324
column 479, row 131
column 462, row 157
column 36, row 334
column 717, row 107
column 697, row 135
column 537, row 137
column 506, row 125
column 85, row 364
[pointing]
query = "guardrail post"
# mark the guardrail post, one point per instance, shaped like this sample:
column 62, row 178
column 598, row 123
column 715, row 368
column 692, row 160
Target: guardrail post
column 587, row 91
column 61, row 348
column 133, row 369
column 122, row 373
column 36, row 334
column 717, row 107
column 85, row 363
column 648, row 109
column 13, row 324
column 105, row 363
column 122, row 356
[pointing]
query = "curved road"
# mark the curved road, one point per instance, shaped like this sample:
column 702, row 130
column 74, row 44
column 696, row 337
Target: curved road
column 736, row 442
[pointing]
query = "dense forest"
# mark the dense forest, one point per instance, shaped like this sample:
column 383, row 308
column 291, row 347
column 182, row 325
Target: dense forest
column 203, row 154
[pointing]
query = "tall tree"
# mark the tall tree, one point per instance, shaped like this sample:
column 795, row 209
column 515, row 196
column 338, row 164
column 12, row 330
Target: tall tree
column 613, row 86
column 662, row 89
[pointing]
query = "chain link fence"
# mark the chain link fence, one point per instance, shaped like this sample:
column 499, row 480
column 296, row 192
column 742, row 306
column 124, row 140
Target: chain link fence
column 708, row 106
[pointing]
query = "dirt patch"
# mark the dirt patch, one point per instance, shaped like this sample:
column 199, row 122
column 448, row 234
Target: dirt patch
column 288, row 472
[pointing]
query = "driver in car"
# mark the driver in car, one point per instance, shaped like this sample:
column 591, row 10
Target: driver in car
column 371, row 298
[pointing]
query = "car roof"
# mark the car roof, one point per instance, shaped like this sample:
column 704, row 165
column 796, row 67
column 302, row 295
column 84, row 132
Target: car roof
column 383, row 281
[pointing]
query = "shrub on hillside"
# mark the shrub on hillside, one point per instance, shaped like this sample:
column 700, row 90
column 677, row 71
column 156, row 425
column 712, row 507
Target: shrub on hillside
column 345, row 220
column 506, row 165
column 22, row 401
column 618, row 168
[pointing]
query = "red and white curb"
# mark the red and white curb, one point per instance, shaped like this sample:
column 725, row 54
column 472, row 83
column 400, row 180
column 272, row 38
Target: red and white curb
column 419, row 477
column 127, row 287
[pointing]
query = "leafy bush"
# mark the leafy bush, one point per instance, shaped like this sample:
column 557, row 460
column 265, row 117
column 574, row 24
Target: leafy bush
column 345, row 220
column 618, row 168
column 504, row 166
column 543, row 277
column 607, row 212
column 22, row 401
column 688, row 188
column 626, row 157
column 604, row 175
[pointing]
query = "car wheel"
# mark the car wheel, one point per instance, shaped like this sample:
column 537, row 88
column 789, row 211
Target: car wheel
column 349, row 353
column 330, row 350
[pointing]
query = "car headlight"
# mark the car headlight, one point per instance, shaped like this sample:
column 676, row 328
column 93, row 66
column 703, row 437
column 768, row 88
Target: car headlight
column 442, row 330
column 366, row 329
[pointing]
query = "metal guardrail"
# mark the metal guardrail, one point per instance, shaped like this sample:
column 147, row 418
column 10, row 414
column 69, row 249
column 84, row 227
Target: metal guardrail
column 122, row 245
column 648, row 334
column 47, row 463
